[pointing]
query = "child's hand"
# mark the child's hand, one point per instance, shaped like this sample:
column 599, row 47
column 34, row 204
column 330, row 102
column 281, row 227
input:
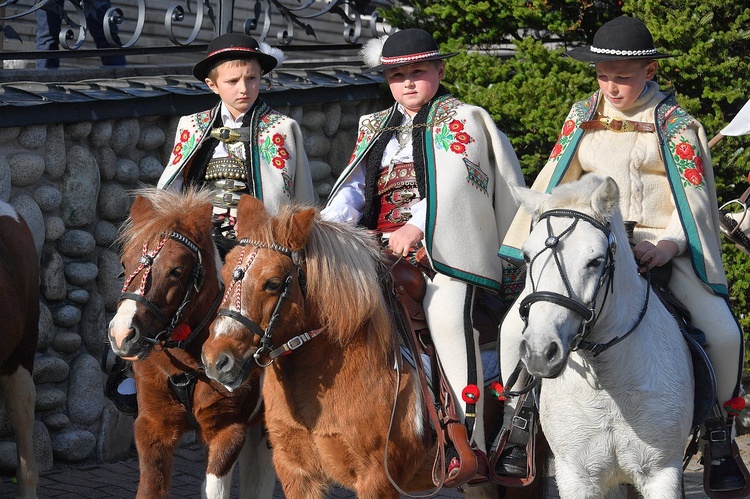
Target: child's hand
column 654, row 256
column 404, row 238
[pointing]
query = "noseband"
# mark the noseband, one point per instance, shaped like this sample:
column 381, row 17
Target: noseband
column 587, row 311
column 265, row 335
column 145, row 263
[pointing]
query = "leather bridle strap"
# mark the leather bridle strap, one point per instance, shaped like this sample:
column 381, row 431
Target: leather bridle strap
column 585, row 312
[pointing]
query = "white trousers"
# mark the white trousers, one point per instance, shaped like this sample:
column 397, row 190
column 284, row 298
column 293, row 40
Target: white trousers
column 448, row 315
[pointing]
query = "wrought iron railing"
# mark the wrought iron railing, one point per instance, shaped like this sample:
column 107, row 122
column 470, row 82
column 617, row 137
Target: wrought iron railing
column 286, row 24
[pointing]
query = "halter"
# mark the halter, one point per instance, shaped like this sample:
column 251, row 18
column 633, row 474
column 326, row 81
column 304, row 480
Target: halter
column 265, row 335
column 585, row 310
column 197, row 276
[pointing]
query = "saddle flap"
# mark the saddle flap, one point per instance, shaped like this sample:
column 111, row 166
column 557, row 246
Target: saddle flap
column 705, row 380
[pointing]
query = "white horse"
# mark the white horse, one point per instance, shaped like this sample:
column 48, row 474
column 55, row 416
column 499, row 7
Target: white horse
column 616, row 402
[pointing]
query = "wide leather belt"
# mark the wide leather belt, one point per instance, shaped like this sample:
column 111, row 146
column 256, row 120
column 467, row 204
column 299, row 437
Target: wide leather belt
column 397, row 190
column 226, row 134
column 226, row 168
column 618, row 125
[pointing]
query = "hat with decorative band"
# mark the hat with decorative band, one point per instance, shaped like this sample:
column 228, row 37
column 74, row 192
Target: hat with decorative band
column 619, row 39
column 232, row 46
column 404, row 47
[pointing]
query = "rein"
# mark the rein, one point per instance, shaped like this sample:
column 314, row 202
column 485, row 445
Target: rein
column 265, row 335
column 606, row 280
column 195, row 283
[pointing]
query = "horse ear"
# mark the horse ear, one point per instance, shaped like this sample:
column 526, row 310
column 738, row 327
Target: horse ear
column 299, row 230
column 140, row 209
column 250, row 214
column 528, row 198
column 606, row 198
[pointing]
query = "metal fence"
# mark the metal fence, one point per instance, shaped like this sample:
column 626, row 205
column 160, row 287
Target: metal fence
column 164, row 32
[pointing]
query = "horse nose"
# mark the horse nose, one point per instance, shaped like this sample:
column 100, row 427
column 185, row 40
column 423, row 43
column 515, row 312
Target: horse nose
column 123, row 341
column 217, row 368
column 541, row 362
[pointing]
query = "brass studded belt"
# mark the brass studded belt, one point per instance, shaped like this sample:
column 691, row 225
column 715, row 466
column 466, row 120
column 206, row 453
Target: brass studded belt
column 617, row 125
column 228, row 167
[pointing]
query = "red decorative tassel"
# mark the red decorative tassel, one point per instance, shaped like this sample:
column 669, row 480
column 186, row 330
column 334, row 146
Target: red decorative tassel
column 181, row 332
column 455, row 464
column 735, row 406
column 496, row 389
column 470, row 394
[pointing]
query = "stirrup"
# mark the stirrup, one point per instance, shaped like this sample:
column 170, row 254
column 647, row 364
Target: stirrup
column 521, row 431
column 722, row 450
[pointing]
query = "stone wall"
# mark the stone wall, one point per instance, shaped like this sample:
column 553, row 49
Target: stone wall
column 72, row 184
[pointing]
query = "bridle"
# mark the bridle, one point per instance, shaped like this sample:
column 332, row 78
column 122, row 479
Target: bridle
column 233, row 297
column 587, row 311
column 197, row 275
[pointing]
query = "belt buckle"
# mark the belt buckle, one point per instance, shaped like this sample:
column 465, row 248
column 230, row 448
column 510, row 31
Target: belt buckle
column 520, row 423
column 230, row 185
column 225, row 134
column 227, row 199
column 616, row 125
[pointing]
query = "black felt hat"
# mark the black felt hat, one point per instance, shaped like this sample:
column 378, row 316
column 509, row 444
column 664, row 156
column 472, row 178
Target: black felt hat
column 233, row 46
column 404, row 47
column 619, row 39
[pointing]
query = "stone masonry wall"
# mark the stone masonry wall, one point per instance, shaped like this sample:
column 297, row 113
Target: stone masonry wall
column 72, row 183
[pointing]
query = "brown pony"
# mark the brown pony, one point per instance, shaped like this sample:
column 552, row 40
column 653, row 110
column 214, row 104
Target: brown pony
column 19, row 307
column 304, row 300
column 170, row 295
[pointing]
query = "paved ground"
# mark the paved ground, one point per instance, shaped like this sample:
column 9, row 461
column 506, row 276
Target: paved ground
column 120, row 480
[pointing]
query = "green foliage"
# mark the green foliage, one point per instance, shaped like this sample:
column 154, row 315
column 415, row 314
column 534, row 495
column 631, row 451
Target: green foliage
column 530, row 92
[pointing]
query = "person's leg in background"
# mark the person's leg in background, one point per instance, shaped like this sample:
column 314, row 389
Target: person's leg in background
column 48, row 27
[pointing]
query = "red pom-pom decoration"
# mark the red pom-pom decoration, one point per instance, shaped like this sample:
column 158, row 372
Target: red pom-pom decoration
column 496, row 389
column 748, row 177
column 735, row 406
column 470, row 394
column 181, row 332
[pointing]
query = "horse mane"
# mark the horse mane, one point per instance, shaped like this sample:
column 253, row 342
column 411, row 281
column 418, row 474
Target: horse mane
column 343, row 285
column 170, row 208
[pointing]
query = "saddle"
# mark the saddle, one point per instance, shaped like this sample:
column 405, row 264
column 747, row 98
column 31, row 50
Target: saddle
column 457, row 463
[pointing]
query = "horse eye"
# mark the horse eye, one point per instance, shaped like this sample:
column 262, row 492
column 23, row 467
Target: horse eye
column 272, row 285
column 176, row 272
column 595, row 263
column 526, row 258
column 121, row 275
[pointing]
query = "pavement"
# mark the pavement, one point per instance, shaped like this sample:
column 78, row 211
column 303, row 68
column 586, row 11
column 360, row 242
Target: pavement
column 120, row 480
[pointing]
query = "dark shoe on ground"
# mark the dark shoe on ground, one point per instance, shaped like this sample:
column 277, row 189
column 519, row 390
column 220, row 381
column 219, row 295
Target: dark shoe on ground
column 117, row 371
column 512, row 462
column 726, row 476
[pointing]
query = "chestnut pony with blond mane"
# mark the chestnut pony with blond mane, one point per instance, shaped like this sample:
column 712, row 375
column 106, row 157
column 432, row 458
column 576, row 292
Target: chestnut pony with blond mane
column 19, row 307
column 170, row 295
column 311, row 289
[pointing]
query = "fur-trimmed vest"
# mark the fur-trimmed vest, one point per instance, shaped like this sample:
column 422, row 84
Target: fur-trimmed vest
column 278, row 170
column 466, row 167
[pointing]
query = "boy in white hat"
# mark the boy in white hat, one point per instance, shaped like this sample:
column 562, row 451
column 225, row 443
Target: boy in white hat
column 432, row 172
column 659, row 156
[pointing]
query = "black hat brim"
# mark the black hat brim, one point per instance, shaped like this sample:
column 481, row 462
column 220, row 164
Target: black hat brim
column 584, row 54
column 202, row 68
column 382, row 67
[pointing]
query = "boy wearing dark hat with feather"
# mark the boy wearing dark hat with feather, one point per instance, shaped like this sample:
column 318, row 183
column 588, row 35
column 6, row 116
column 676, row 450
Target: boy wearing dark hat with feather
column 241, row 146
column 659, row 156
column 434, row 173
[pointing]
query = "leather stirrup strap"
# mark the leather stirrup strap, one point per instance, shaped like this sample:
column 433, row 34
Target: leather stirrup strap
column 412, row 344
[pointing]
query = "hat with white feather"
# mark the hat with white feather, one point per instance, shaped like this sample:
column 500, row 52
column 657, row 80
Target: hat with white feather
column 404, row 47
column 231, row 46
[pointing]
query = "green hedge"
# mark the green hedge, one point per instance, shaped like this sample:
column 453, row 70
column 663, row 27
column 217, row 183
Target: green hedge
column 529, row 93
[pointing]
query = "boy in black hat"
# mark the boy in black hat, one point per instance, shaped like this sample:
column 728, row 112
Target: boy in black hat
column 241, row 146
column 434, row 174
column 659, row 156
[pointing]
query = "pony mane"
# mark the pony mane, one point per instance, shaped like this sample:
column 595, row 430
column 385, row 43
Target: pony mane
column 577, row 196
column 169, row 207
column 343, row 285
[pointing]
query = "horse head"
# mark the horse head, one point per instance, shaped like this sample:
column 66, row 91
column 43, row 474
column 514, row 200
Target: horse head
column 265, row 280
column 570, row 256
column 171, row 271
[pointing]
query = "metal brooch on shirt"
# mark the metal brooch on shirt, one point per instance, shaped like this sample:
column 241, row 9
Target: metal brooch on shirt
column 227, row 135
